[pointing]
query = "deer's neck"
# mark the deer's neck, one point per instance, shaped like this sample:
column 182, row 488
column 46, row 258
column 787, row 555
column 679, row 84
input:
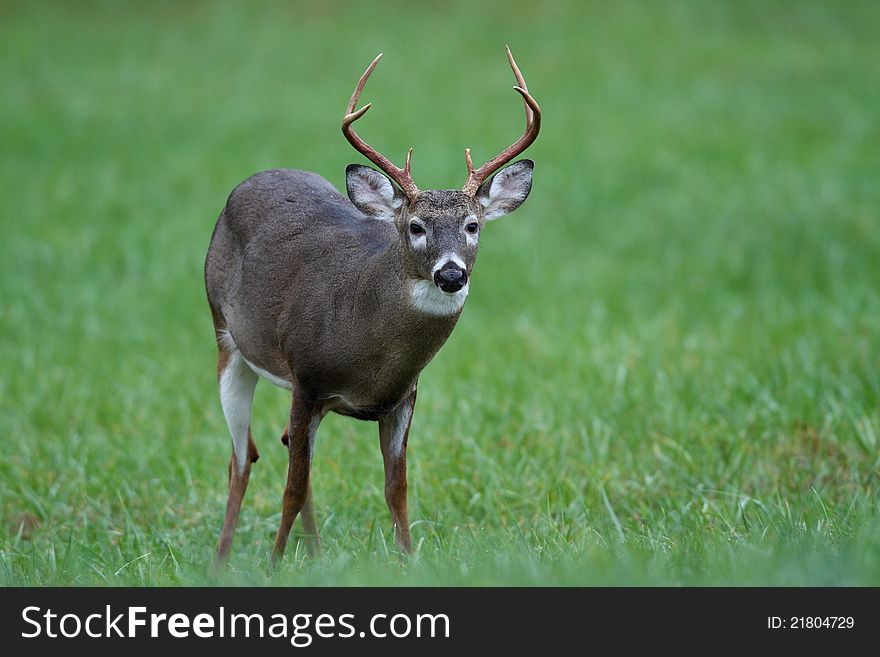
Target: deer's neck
column 409, row 303
column 403, row 324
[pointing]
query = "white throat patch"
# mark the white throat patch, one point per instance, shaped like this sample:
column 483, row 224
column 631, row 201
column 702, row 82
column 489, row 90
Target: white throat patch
column 431, row 300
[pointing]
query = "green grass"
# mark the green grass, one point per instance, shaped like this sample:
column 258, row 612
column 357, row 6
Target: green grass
column 667, row 372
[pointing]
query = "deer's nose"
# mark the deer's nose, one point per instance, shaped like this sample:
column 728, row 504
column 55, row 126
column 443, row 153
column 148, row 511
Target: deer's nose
column 450, row 277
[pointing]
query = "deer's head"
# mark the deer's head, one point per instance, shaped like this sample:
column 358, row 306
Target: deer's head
column 440, row 228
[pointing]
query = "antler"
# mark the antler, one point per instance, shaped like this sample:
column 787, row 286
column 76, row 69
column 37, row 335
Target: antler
column 401, row 176
column 533, row 125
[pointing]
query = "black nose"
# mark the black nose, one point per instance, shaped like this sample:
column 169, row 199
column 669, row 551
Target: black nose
column 450, row 277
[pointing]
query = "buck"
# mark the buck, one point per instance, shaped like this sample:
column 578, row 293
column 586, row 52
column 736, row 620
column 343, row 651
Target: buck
column 343, row 301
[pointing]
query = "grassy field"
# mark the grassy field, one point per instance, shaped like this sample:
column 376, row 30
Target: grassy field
column 667, row 371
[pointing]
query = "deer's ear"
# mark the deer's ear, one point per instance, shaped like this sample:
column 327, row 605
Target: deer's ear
column 506, row 190
column 372, row 192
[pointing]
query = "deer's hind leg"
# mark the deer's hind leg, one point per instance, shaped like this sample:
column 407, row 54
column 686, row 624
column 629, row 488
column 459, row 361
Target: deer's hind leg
column 237, row 383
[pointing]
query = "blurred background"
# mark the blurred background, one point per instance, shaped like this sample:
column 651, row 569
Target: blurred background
column 667, row 370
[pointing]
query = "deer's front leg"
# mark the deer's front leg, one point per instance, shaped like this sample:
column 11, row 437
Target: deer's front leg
column 393, row 435
column 307, row 515
column 304, row 421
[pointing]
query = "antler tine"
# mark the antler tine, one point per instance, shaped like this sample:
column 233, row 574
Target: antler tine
column 521, row 82
column 401, row 176
column 533, row 126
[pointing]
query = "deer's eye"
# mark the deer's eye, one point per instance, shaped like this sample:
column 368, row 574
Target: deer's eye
column 472, row 227
column 416, row 228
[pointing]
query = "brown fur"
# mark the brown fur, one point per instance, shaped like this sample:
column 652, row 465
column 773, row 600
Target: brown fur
column 297, row 490
column 395, row 480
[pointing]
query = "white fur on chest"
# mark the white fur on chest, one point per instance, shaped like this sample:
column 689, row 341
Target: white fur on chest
column 431, row 300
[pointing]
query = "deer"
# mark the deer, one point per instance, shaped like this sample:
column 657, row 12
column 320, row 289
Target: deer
column 343, row 300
